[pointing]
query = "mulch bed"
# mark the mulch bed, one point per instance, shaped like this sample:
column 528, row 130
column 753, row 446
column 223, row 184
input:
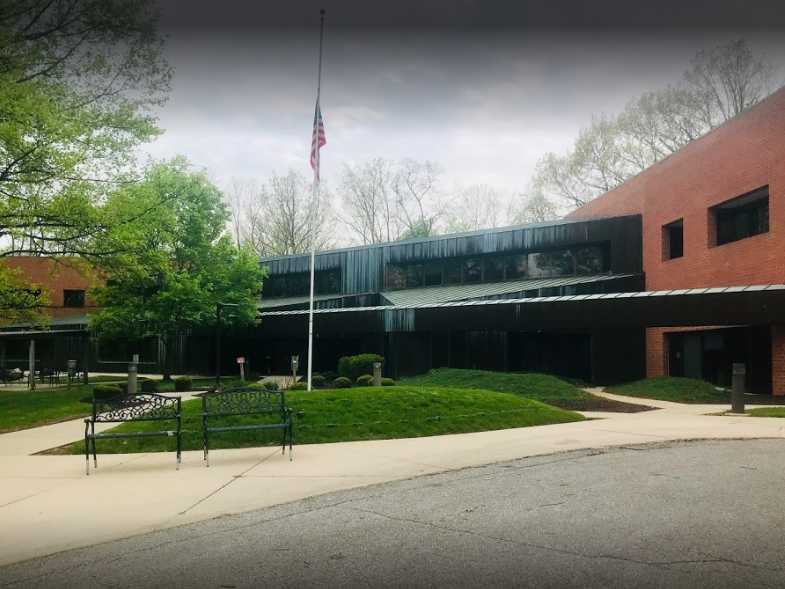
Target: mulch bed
column 594, row 403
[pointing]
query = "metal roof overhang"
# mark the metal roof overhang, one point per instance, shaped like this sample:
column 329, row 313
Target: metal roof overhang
column 737, row 305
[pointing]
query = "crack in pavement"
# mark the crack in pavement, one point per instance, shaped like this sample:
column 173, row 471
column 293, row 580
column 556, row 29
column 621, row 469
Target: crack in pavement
column 173, row 542
column 234, row 478
column 653, row 563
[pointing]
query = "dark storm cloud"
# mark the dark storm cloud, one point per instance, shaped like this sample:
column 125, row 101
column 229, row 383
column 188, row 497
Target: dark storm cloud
column 472, row 15
column 482, row 88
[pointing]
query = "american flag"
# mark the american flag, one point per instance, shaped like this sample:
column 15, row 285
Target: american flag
column 318, row 140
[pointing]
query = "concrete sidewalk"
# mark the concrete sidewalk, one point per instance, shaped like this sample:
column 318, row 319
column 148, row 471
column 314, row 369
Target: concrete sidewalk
column 47, row 504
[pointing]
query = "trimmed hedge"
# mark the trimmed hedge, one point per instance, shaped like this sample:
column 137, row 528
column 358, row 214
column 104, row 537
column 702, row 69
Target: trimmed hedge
column 299, row 386
column 352, row 367
column 183, row 383
column 148, row 386
column 388, row 382
column 270, row 384
column 342, row 383
column 329, row 376
column 318, row 381
column 106, row 391
column 364, row 380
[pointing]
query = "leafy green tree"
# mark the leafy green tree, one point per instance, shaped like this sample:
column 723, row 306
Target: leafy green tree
column 20, row 302
column 175, row 263
column 79, row 80
column 719, row 84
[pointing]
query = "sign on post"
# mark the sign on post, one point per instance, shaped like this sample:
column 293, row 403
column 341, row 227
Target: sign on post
column 241, row 362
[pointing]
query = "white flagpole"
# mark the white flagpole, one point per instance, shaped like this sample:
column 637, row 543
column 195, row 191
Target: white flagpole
column 315, row 200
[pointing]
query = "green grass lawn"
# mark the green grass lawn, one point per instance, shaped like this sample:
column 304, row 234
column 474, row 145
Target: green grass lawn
column 540, row 387
column 367, row 413
column 767, row 412
column 24, row 409
column 673, row 388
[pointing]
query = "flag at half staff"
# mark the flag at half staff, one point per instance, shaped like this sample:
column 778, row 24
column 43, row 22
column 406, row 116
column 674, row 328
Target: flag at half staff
column 318, row 140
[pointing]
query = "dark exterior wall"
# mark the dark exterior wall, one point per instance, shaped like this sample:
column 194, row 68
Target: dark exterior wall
column 618, row 355
column 362, row 269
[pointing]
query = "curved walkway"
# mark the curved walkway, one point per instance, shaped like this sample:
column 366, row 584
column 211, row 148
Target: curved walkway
column 47, row 504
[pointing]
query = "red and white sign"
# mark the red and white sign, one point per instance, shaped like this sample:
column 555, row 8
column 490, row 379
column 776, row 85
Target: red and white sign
column 241, row 359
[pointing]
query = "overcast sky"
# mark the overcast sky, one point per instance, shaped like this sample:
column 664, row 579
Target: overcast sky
column 481, row 89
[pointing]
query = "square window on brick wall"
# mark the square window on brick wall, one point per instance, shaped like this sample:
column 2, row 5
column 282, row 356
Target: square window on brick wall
column 740, row 217
column 673, row 240
column 73, row 298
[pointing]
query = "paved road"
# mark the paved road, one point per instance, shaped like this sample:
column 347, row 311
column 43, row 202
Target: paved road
column 703, row 514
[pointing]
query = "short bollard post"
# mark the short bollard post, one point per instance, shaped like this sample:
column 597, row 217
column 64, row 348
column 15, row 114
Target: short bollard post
column 739, row 387
column 132, row 370
column 377, row 374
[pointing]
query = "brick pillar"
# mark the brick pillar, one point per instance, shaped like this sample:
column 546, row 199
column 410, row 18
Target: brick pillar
column 778, row 359
column 656, row 352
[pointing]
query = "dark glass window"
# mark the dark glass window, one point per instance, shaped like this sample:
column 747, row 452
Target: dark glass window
column 673, row 240
column 548, row 264
column 274, row 286
column 328, row 282
column 73, row 298
column 516, row 267
column 494, row 269
column 742, row 217
column 472, row 270
column 298, row 284
column 396, row 277
column 414, row 276
column 433, row 274
column 590, row 260
column 452, row 271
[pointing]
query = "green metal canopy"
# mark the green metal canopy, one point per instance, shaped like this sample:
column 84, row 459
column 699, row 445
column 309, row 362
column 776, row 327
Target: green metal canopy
column 468, row 292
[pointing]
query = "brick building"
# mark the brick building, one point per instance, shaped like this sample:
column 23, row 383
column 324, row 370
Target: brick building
column 679, row 271
column 66, row 282
column 713, row 216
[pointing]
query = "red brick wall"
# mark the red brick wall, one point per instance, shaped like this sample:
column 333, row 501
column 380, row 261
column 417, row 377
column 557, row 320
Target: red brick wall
column 54, row 276
column 778, row 359
column 742, row 155
column 656, row 352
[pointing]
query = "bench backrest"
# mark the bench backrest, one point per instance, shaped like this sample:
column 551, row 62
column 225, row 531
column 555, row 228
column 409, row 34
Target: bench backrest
column 243, row 401
column 141, row 407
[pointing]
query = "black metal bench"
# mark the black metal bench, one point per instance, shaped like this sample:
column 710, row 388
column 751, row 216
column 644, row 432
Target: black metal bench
column 246, row 401
column 130, row 408
column 7, row 376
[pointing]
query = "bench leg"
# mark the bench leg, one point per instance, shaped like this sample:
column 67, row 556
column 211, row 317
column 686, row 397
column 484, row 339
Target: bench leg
column 86, row 451
column 179, row 449
column 291, row 440
column 95, row 454
column 205, row 434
